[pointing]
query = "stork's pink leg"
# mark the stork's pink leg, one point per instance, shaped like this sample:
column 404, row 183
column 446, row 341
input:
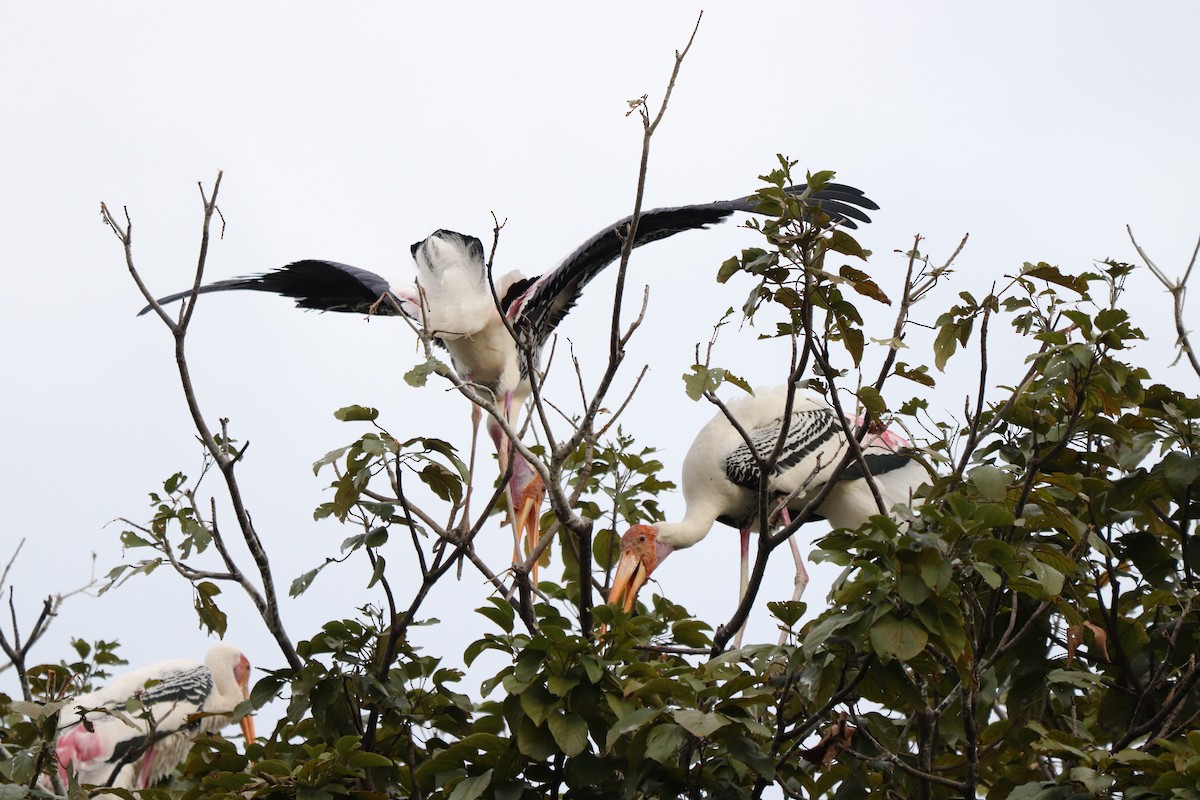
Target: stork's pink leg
column 744, row 582
column 147, row 764
column 500, row 439
column 475, row 416
column 800, row 582
column 524, row 491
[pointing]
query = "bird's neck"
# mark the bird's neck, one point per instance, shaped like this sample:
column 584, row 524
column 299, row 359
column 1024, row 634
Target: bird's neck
column 694, row 526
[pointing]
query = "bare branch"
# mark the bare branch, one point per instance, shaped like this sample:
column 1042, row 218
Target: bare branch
column 224, row 457
column 1178, row 292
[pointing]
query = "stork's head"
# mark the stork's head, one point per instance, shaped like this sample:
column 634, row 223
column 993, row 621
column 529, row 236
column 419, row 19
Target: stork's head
column 641, row 553
column 224, row 661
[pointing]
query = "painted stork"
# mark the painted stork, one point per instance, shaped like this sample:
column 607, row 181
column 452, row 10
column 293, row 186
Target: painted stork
column 137, row 749
column 453, row 299
column 721, row 482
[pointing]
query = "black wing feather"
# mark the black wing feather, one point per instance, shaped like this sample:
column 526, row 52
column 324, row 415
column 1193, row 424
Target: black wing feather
column 879, row 464
column 313, row 284
column 557, row 292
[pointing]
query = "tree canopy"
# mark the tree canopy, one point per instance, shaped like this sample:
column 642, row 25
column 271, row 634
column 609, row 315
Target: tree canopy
column 1027, row 630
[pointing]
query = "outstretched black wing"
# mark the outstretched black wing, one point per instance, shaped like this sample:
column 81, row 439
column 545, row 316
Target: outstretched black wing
column 555, row 293
column 313, row 284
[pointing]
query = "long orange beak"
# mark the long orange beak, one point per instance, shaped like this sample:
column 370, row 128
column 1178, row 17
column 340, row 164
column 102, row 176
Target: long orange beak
column 527, row 525
column 247, row 725
column 242, row 673
column 630, row 576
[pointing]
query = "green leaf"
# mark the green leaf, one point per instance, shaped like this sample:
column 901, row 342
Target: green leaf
column 444, row 483
column 1180, row 471
column 356, row 414
column 702, row 380
column 471, row 788
column 997, row 553
column 816, row 633
column 363, row 759
column 535, row 741
column 211, row 617
column 266, row 690
column 129, row 539
column 841, row 242
column 663, row 742
column 561, row 685
column 1050, row 579
column 1096, row 783
column 989, row 575
column 174, row 482
column 593, row 668
column 377, row 573
column 918, row 374
column 570, row 732
column 538, row 703
column 691, row 632
column 301, row 584
column 630, row 722
column 787, row 611
column 1035, row 791
column 913, row 589
column 902, row 639
column 820, row 179
column 862, row 283
column 728, row 269
column 700, row 723
column 38, row 711
column 329, row 458
column 500, row 612
column 944, row 346
column 271, row 766
column 852, row 337
column 741, row 383
column 991, row 482
column 1077, row 678
column 418, row 376
column 1052, row 274
column 872, row 401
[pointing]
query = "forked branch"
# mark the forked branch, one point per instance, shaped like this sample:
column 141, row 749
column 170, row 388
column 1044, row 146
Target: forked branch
column 1178, row 291
column 223, row 456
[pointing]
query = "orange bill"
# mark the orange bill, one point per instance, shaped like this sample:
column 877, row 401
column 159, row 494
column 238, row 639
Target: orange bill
column 631, row 574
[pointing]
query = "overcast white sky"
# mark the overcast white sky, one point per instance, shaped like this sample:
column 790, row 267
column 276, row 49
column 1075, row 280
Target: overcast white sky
column 350, row 131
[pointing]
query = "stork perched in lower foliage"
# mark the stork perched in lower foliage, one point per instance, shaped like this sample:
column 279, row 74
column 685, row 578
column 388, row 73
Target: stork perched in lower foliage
column 721, row 480
column 479, row 321
column 105, row 744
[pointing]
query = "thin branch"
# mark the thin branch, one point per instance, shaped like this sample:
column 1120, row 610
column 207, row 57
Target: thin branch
column 1179, row 692
column 1178, row 291
column 624, row 403
column 219, row 451
column 973, row 431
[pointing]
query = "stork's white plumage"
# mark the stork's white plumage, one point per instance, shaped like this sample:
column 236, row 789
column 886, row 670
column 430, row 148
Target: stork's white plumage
column 454, row 301
column 721, row 481
column 138, row 749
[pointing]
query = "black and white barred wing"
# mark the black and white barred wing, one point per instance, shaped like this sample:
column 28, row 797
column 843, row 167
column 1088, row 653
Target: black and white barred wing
column 813, row 446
